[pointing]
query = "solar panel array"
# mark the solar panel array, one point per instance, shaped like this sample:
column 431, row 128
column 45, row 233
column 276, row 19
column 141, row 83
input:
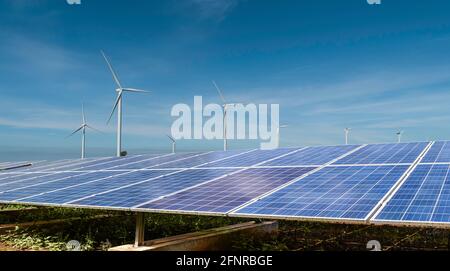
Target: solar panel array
column 380, row 183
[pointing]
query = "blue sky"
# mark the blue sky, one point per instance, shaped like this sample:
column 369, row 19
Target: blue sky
column 329, row 64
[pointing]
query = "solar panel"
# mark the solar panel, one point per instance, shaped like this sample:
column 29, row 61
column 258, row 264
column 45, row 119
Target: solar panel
column 81, row 164
column 9, row 178
column 385, row 154
column 229, row 192
column 145, row 190
column 153, row 162
column 344, row 192
column 250, row 158
column 7, row 175
column 312, row 156
column 202, row 159
column 37, row 178
column 25, row 189
column 423, row 197
column 54, row 165
column 91, row 184
column 346, row 183
column 118, row 161
column 438, row 153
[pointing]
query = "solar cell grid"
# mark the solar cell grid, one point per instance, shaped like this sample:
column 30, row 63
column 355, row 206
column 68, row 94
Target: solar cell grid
column 152, row 162
column 152, row 189
column 229, row 192
column 62, row 195
column 82, row 164
column 121, row 162
column 202, row 159
column 423, row 197
column 10, row 178
column 15, row 192
column 54, row 165
column 250, row 159
column 438, row 153
column 312, row 156
column 385, row 154
column 332, row 192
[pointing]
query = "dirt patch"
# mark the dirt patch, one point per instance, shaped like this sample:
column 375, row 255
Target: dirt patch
column 4, row 247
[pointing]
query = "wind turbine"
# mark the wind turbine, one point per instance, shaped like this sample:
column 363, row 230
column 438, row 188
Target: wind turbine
column 82, row 128
column 399, row 136
column 347, row 131
column 174, row 143
column 118, row 104
column 278, row 134
column 225, row 109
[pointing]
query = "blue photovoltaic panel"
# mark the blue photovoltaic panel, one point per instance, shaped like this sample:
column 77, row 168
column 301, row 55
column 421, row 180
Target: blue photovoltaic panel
column 8, row 175
column 17, row 191
column 423, row 197
column 36, row 178
column 250, row 159
column 81, row 165
column 9, row 178
column 345, row 192
column 152, row 162
column 98, row 184
column 225, row 194
column 312, row 156
column 153, row 189
column 385, row 154
column 54, row 165
column 202, row 159
column 116, row 162
column 438, row 153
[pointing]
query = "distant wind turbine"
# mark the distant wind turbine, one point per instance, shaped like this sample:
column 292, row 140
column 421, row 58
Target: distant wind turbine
column 347, row 131
column 399, row 136
column 82, row 128
column 225, row 111
column 278, row 134
column 174, row 143
column 118, row 104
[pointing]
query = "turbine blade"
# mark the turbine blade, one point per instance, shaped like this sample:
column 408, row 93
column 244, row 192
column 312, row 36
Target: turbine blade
column 219, row 91
column 171, row 138
column 76, row 131
column 116, row 79
column 135, row 90
column 119, row 96
column 95, row 129
column 82, row 113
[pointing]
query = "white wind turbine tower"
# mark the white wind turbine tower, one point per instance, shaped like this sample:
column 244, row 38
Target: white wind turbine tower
column 174, row 143
column 118, row 104
column 225, row 110
column 347, row 131
column 82, row 128
column 278, row 134
column 399, row 136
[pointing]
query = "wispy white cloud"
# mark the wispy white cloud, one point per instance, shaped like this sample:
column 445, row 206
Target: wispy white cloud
column 211, row 9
